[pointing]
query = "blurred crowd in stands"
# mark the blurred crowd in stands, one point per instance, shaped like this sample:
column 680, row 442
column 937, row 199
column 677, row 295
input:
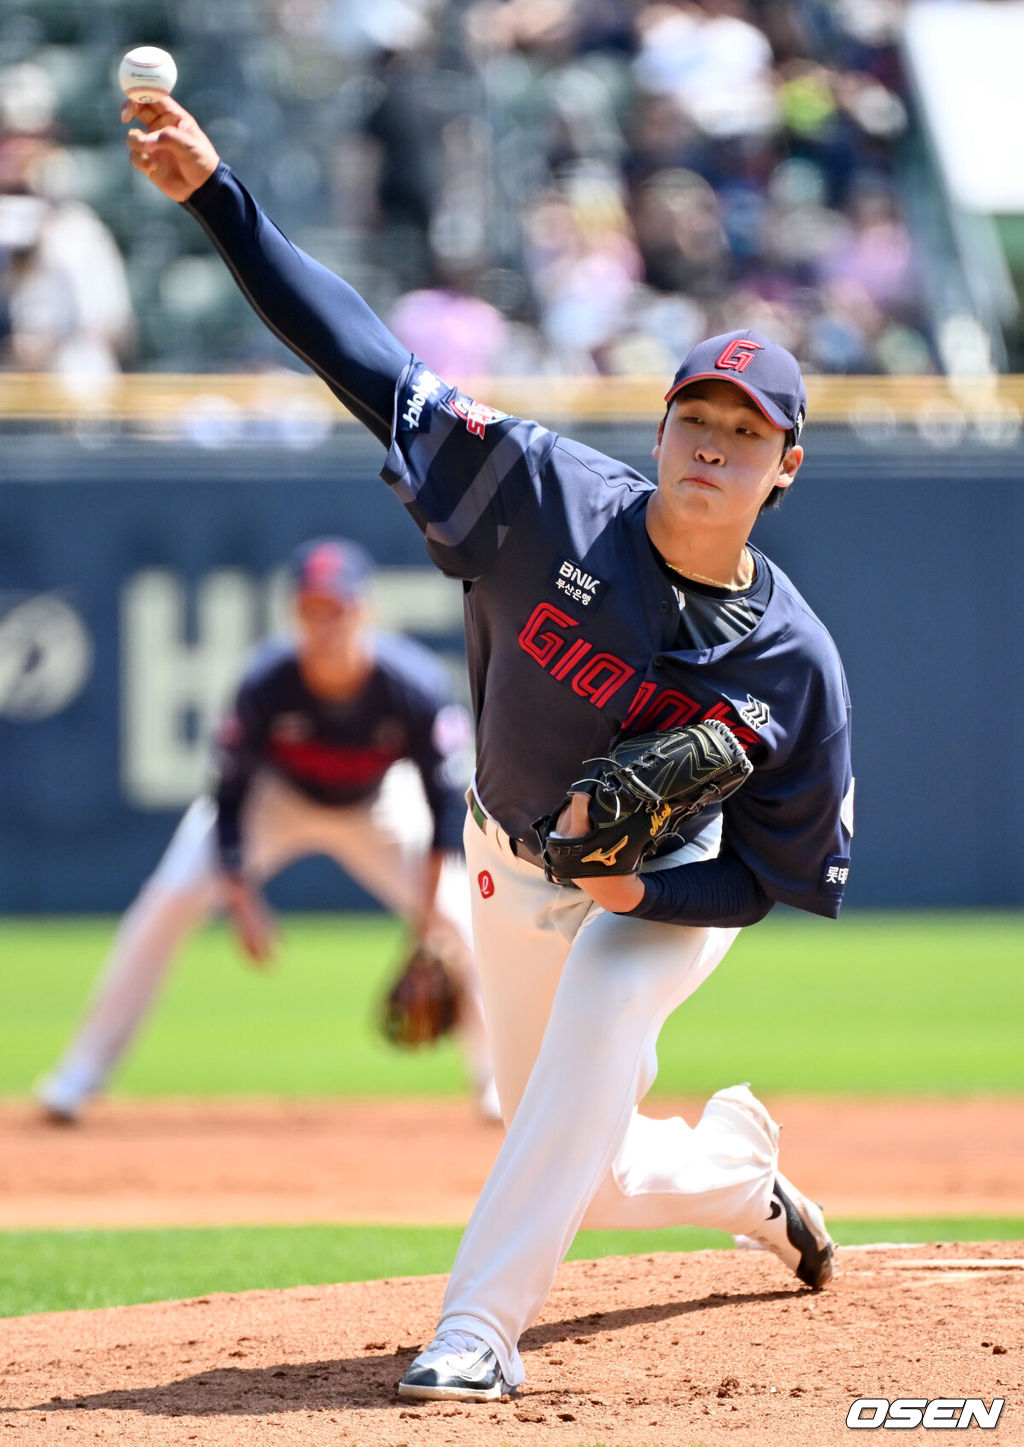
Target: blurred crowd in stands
column 521, row 187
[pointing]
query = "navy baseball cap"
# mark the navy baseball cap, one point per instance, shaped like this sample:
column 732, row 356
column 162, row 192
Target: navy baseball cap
column 333, row 567
column 768, row 374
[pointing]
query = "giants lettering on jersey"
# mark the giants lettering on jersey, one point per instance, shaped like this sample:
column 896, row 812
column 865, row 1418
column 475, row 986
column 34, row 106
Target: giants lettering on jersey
column 597, row 677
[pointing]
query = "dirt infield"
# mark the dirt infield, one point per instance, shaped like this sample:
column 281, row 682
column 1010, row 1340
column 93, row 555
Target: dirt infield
column 710, row 1348
column 183, row 1163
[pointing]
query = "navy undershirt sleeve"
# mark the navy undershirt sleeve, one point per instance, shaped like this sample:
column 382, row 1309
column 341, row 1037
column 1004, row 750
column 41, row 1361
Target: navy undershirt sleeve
column 720, row 892
column 229, row 796
column 446, row 800
column 238, row 757
column 449, row 817
column 317, row 315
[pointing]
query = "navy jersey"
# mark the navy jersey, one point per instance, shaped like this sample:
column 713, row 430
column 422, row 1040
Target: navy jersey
column 573, row 632
column 573, row 625
column 336, row 752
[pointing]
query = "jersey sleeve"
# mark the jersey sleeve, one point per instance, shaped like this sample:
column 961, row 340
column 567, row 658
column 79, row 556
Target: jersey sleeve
column 461, row 468
column 239, row 748
column 314, row 312
column 792, row 825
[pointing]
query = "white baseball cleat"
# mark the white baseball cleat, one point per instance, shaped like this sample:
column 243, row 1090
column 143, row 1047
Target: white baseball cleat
column 796, row 1233
column 62, row 1093
column 60, row 1100
column 455, row 1367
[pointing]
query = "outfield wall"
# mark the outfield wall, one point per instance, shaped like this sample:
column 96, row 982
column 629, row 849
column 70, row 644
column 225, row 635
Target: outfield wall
column 133, row 577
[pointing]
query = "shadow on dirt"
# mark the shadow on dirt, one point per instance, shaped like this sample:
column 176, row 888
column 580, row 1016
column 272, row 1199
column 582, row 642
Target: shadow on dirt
column 361, row 1382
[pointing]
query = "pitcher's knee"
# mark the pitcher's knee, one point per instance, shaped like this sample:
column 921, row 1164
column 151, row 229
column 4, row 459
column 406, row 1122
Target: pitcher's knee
column 609, row 1210
column 737, row 1109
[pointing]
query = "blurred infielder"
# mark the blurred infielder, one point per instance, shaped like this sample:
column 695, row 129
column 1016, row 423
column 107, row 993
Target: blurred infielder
column 342, row 742
column 599, row 607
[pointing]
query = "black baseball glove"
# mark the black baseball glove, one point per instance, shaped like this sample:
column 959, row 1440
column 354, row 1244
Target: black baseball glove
column 639, row 794
column 422, row 1003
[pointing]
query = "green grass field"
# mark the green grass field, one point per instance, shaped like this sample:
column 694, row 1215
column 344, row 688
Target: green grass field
column 878, row 1004
column 69, row 1270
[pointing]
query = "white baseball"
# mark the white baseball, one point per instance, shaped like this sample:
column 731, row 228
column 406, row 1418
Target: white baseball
column 147, row 73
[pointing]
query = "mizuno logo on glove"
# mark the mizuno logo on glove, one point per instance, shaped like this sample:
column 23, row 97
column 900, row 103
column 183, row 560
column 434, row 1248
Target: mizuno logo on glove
column 606, row 856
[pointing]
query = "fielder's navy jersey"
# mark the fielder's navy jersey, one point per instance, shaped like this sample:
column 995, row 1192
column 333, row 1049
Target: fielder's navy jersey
column 336, row 752
column 573, row 625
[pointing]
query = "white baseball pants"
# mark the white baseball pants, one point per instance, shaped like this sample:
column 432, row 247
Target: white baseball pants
column 382, row 844
column 576, row 997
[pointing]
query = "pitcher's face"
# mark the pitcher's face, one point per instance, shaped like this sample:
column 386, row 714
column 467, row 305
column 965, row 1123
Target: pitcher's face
column 718, row 455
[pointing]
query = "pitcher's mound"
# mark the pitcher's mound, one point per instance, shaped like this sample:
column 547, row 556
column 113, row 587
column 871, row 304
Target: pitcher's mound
column 716, row 1347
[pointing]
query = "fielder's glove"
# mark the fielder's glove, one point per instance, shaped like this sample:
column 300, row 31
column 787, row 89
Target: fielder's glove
column 640, row 794
column 423, row 1002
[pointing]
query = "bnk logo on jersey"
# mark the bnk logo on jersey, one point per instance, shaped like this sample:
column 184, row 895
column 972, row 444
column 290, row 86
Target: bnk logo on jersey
column 576, row 583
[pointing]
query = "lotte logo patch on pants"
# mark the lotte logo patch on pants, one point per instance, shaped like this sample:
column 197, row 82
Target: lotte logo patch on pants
column 486, row 884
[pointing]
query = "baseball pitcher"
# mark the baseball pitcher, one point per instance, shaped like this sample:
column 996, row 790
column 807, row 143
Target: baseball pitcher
column 601, row 608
